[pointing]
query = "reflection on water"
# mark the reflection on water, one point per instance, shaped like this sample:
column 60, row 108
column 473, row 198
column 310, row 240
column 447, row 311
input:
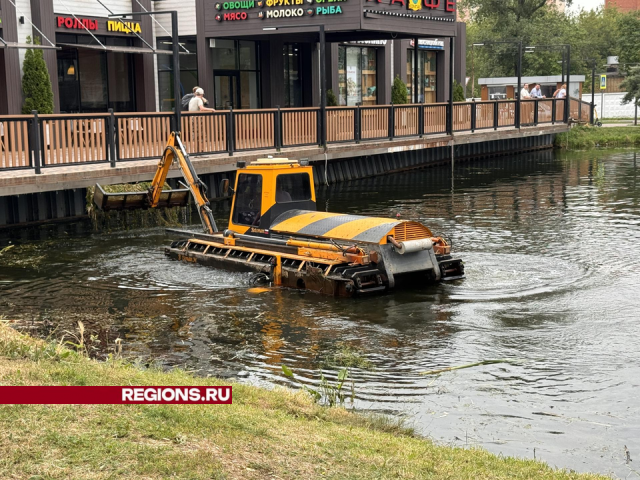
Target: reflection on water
column 551, row 246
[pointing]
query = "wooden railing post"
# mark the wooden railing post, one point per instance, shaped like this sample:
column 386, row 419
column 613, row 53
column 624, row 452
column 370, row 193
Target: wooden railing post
column 277, row 128
column 35, row 143
column 231, row 136
column 111, row 138
column 357, row 130
column 474, row 114
column 319, row 125
column 554, row 105
column 496, row 115
column 536, row 105
column 391, row 121
column 421, row 120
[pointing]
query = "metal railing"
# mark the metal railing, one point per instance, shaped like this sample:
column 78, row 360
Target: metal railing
column 44, row 141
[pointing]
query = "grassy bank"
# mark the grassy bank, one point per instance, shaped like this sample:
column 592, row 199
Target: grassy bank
column 585, row 137
column 264, row 434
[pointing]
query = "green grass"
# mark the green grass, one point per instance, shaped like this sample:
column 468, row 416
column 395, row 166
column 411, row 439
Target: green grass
column 264, row 434
column 585, row 137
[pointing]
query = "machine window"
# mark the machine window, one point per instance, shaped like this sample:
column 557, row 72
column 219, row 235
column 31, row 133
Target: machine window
column 293, row 187
column 248, row 202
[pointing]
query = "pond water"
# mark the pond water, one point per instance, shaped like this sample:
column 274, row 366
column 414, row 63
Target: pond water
column 551, row 244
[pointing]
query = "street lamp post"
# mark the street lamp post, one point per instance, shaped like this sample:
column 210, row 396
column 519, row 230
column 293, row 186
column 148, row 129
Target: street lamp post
column 518, row 73
column 593, row 92
column 175, row 54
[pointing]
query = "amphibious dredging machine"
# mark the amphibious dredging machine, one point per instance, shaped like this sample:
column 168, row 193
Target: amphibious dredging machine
column 275, row 231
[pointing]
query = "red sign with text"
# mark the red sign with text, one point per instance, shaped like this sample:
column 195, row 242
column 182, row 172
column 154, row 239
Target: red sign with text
column 114, row 395
column 77, row 23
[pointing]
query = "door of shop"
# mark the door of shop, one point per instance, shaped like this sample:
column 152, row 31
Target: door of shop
column 227, row 90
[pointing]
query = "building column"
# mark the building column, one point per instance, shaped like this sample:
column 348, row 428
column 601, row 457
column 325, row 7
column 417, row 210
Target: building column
column 144, row 66
column 383, row 77
column 460, row 67
column 10, row 80
column 42, row 17
column 275, row 72
column 205, row 64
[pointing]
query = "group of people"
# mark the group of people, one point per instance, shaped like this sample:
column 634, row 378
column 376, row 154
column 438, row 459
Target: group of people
column 195, row 102
column 526, row 94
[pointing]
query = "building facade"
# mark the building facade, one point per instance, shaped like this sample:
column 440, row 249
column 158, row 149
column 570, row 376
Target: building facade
column 623, row 5
column 245, row 54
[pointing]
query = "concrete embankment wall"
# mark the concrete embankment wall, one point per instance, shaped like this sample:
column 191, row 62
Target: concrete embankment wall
column 60, row 205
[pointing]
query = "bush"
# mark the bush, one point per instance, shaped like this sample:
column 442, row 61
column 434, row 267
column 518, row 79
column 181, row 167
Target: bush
column 332, row 101
column 398, row 92
column 458, row 92
column 36, row 84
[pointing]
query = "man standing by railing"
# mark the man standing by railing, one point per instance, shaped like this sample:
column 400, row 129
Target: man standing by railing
column 535, row 92
column 196, row 104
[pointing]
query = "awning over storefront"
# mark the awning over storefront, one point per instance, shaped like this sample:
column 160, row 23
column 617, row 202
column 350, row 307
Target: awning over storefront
column 120, row 49
column 4, row 44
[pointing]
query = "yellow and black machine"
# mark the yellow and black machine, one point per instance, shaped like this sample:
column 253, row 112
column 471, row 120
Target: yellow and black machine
column 275, row 231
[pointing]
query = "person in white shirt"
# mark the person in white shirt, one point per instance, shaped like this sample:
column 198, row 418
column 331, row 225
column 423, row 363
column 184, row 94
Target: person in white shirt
column 196, row 104
column 535, row 92
column 561, row 92
column 524, row 93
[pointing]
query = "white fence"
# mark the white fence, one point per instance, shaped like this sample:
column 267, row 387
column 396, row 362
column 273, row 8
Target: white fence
column 613, row 107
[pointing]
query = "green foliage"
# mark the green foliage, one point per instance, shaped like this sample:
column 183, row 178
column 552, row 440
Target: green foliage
column 332, row 101
column 36, row 84
column 593, row 35
column 629, row 38
column 631, row 85
column 398, row 92
column 345, row 355
column 458, row 92
column 585, row 137
column 327, row 393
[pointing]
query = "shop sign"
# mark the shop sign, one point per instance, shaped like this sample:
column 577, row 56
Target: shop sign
column 331, row 10
column 367, row 42
column 126, row 27
column 289, row 12
column 284, row 3
column 415, row 5
column 237, row 5
column 429, row 44
column 230, row 17
column 77, row 23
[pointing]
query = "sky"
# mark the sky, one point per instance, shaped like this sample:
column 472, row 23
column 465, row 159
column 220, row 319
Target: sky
column 586, row 4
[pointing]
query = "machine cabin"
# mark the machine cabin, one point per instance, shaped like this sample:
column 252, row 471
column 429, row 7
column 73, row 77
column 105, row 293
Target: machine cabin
column 267, row 188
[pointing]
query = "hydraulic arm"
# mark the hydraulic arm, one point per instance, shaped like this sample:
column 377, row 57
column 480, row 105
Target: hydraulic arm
column 175, row 151
column 156, row 197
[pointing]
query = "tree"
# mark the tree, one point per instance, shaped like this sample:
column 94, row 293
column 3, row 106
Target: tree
column 629, row 38
column 631, row 85
column 36, row 84
column 332, row 101
column 398, row 92
column 458, row 92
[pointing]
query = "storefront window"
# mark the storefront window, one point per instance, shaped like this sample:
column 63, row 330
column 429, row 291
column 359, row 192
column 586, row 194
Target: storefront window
column 426, row 76
column 357, row 76
column 292, row 80
column 188, row 71
column 92, row 81
column 498, row 93
column 236, row 74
